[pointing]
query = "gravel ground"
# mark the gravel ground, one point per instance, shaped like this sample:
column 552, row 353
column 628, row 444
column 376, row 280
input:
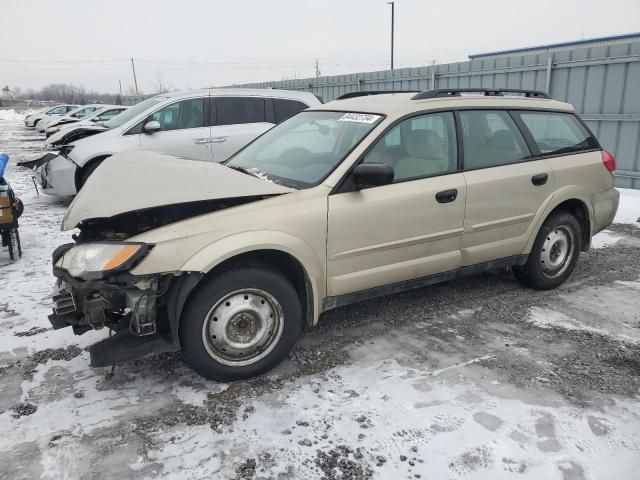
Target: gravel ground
column 474, row 379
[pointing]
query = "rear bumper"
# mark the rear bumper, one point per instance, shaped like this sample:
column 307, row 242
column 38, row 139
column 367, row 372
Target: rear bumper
column 57, row 177
column 605, row 206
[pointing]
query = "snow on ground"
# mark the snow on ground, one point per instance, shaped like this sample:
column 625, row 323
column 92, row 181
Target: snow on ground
column 629, row 210
column 473, row 379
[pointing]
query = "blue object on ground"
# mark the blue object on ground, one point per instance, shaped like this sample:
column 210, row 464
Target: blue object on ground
column 4, row 159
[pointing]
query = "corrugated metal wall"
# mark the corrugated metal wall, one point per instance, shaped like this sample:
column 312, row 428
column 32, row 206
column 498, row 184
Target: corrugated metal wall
column 602, row 82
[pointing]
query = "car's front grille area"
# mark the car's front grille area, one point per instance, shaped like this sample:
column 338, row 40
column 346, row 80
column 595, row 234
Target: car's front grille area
column 64, row 303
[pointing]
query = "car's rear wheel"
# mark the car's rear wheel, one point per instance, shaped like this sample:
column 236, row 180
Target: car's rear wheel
column 240, row 323
column 554, row 254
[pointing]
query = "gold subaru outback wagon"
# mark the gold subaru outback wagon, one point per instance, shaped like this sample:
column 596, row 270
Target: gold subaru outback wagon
column 368, row 195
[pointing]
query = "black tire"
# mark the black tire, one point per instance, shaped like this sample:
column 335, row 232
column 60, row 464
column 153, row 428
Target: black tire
column 547, row 266
column 15, row 249
column 212, row 295
column 86, row 172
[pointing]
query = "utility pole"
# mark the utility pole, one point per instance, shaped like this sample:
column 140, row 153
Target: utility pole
column 135, row 80
column 120, row 83
column 393, row 4
column 317, row 69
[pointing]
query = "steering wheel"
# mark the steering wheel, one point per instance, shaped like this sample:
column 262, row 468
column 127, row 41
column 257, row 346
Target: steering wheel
column 300, row 155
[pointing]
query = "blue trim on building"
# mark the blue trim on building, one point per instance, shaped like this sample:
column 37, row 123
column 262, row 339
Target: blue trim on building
column 627, row 36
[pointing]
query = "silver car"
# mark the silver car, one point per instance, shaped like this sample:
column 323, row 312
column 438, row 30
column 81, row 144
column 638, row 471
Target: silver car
column 209, row 124
column 33, row 119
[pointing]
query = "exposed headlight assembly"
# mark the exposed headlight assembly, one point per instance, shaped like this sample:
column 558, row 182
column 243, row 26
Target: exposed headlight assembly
column 93, row 260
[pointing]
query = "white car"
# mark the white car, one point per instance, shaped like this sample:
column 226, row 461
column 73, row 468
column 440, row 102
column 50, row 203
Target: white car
column 210, row 125
column 33, row 119
column 103, row 114
column 75, row 115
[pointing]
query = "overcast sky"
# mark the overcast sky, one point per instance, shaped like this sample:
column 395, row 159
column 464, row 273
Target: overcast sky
column 196, row 43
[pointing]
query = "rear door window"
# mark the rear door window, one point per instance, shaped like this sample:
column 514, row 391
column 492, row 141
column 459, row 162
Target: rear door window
column 491, row 138
column 284, row 108
column 557, row 133
column 238, row 110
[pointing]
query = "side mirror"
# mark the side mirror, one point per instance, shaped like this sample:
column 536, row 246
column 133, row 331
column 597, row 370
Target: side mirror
column 372, row 175
column 95, row 119
column 152, row 126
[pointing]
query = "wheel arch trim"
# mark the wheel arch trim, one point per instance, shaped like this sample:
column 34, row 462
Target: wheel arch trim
column 572, row 193
column 232, row 246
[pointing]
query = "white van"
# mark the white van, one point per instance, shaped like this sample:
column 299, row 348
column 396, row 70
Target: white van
column 210, row 125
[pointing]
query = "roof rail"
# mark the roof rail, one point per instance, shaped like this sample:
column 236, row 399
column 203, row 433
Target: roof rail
column 365, row 93
column 488, row 92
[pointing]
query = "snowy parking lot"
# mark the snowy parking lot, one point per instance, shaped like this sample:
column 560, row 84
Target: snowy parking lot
column 477, row 378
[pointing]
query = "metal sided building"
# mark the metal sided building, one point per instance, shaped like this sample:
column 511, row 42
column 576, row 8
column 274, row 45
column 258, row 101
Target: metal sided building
column 600, row 77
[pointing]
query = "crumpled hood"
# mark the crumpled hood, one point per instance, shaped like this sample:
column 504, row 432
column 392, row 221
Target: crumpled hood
column 138, row 180
column 73, row 133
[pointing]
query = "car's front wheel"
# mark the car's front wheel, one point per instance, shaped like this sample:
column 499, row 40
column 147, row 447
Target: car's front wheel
column 86, row 172
column 240, row 323
column 554, row 254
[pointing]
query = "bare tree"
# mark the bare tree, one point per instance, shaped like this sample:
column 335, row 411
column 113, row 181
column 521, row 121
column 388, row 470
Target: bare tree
column 159, row 84
column 130, row 91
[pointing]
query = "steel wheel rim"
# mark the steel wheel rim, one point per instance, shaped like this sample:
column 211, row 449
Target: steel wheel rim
column 243, row 327
column 557, row 251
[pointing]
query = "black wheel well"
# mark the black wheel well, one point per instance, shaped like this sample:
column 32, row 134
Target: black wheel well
column 285, row 263
column 80, row 170
column 35, row 122
column 578, row 209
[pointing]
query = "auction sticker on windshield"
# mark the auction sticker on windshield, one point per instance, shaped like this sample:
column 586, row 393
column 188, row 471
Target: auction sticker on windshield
column 359, row 117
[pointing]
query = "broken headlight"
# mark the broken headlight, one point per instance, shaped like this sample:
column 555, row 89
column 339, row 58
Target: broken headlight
column 91, row 260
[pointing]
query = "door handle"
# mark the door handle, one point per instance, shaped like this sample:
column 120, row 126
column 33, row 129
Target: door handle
column 201, row 141
column 219, row 139
column 447, row 196
column 540, row 179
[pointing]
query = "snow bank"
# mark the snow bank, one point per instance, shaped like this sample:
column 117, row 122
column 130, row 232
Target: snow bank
column 11, row 115
column 629, row 209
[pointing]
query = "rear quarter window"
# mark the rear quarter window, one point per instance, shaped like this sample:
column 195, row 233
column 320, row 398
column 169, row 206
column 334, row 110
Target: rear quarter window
column 284, row 109
column 557, row 133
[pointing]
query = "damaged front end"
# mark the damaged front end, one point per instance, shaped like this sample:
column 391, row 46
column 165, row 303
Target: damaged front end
column 96, row 290
column 141, row 311
column 129, row 196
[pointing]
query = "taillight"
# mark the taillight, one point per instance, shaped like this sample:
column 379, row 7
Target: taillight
column 609, row 161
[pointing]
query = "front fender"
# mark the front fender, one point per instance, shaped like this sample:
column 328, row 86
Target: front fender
column 228, row 247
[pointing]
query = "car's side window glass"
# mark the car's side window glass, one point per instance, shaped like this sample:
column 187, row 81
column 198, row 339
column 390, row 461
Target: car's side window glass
column 238, row 110
column 491, row 138
column 181, row 115
column 283, row 108
column 418, row 147
column 557, row 132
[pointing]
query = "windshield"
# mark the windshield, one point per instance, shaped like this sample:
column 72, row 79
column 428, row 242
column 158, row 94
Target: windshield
column 132, row 112
column 82, row 112
column 303, row 150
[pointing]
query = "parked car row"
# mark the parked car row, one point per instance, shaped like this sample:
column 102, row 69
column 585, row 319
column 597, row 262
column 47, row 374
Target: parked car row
column 208, row 125
column 229, row 260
